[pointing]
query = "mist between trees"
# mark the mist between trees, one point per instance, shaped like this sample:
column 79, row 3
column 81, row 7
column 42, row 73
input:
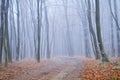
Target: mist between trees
column 44, row 29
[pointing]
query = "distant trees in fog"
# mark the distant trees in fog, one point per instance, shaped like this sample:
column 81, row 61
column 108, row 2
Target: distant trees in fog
column 31, row 29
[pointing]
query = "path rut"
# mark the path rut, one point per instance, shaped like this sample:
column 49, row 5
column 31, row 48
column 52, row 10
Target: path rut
column 60, row 69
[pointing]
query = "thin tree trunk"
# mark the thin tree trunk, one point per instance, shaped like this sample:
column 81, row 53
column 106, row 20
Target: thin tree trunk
column 47, row 32
column 18, row 30
column 112, row 35
column 115, row 18
column 1, row 29
column 117, row 28
column 39, row 16
column 69, row 42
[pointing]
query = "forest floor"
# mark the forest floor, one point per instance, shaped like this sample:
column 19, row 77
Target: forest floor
column 55, row 69
column 97, row 70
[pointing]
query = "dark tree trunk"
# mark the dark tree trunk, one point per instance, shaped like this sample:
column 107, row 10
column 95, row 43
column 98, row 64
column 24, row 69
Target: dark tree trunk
column 39, row 16
column 5, row 3
column 18, row 31
column 98, row 28
column 1, row 29
column 7, row 34
column 97, row 53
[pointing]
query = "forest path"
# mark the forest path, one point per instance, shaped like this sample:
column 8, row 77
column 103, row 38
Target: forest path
column 56, row 69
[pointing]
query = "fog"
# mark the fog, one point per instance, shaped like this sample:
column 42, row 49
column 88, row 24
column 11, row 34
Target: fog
column 60, row 28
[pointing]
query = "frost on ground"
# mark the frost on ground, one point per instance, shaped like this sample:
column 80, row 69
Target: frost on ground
column 55, row 69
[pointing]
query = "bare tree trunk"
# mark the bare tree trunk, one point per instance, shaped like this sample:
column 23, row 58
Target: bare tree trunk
column 18, row 30
column 39, row 15
column 86, row 34
column 112, row 31
column 98, row 28
column 47, row 31
column 13, row 28
column 115, row 18
column 7, row 34
column 69, row 42
column 117, row 28
column 112, row 38
column 86, row 41
column 97, row 53
column 1, row 29
column 5, row 4
column 33, row 21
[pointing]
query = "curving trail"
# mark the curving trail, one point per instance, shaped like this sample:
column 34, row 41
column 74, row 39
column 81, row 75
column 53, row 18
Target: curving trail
column 58, row 69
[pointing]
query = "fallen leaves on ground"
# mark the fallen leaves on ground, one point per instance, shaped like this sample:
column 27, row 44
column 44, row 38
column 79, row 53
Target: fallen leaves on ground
column 8, row 72
column 16, row 68
column 96, row 70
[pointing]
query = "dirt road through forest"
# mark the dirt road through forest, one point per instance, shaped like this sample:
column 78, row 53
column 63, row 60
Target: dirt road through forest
column 57, row 69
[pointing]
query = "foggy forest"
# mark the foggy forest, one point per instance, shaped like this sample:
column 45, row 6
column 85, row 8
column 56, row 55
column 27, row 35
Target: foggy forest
column 59, row 40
